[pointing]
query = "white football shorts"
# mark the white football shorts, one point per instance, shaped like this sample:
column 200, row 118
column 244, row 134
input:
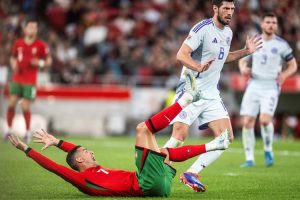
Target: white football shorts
column 259, row 100
column 206, row 110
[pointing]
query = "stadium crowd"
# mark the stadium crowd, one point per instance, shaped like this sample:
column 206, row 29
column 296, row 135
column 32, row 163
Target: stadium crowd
column 105, row 41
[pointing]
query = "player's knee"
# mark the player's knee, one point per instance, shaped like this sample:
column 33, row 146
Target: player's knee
column 26, row 105
column 179, row 132
column 12, row 103
column 264, row 121
column 141, row 129
column 249, row 123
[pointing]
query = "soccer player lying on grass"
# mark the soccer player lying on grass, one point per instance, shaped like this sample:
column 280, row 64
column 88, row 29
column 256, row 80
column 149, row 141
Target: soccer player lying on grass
column 154, row 175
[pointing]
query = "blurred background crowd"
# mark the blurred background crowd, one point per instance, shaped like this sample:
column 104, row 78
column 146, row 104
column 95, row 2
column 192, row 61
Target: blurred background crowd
column 133, row 41
column 108, row 41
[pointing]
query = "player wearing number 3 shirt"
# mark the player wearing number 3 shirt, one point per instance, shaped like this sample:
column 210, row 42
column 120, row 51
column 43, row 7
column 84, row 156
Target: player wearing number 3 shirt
column 263, row 89
column 204, row 51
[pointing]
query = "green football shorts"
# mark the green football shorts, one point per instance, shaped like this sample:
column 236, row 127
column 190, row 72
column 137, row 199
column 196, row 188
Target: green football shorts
column 154, row 176
column 25, row 91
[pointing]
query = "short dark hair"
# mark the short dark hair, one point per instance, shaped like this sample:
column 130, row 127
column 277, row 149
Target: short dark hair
column 31, row 20
column 219, row 3
column 269, row 14
column 71, row 158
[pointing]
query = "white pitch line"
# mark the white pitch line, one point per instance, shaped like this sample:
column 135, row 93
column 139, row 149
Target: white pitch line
column 260, row 152
column 231, row 174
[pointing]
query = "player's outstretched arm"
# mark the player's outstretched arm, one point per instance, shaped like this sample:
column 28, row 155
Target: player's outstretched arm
column 49, row 140
column 45, row 138
column 14, row 140
column 69, row 175
column 252, row 44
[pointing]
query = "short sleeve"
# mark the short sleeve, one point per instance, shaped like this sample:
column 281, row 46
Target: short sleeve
column 287, row 52
column 44, row 50
column 195, row 38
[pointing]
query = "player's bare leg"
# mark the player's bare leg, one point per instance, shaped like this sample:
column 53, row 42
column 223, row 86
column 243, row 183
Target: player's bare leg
column 267, row 133
column 12, row 102
column 191, row 177
column 248, row 137
column 217, row 127
column 179, row 133
column 145, row 138
column 26, row 103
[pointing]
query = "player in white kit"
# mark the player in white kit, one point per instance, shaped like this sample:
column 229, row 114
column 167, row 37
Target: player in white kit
column 205, row 51
column 263, row 89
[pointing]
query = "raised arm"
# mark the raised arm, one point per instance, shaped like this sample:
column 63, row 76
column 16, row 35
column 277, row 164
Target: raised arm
column 49, row 140
column 67, row 174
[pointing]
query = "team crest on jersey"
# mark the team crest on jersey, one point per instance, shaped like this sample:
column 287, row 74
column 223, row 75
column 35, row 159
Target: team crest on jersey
column 34, row 50
column 215, row 40
column 274, row 50
column 182, row 115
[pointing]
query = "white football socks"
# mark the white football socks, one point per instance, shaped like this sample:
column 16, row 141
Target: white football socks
column 173, row 142
column 267, row 134
column 204, row 160
column 248, row 142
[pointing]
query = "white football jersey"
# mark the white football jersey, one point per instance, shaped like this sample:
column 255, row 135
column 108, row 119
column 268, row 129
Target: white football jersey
column 267, row 62
column 208, row 41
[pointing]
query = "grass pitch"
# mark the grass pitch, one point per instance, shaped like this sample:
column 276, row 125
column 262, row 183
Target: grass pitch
column 21, row 178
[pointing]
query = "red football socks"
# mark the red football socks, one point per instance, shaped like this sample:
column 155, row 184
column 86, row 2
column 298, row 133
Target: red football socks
column 183, row 153
column 162, row 119
column 27, row 117
column 10, row 116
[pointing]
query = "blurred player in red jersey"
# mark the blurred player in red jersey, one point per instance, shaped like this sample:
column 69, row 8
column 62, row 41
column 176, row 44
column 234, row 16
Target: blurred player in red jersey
column 154, row 174
column 29, row 54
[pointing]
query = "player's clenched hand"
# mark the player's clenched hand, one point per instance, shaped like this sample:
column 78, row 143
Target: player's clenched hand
column 45, row 138
column 246, row 71
column 281, row 78
column 35, row 62
column 205, row 66
column 14, row 140
column 14, row 66
column 253, row 43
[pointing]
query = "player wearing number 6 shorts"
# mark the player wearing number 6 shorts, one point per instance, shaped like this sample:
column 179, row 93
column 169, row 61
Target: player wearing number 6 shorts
column 29, row 54
column 204, row 51
column 263, row 89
